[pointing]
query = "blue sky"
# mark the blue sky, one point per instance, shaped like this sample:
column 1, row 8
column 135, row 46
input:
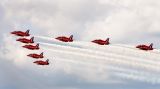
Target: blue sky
column 129, row 22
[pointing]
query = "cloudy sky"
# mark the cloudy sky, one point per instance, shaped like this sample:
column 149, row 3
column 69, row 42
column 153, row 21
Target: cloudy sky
column 128, row 22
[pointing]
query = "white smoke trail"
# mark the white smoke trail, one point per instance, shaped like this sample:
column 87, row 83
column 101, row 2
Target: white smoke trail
column 121, row 54
column 116, row 70
column 129, row 67
column 152, row 66
column 94, row 58
column 111, row 48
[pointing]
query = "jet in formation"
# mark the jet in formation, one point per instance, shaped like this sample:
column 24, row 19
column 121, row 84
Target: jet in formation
column 25, row 40
column 32, row 47
column 65, row 39
column 21, row 33
column 101, row 42
column 36, row 56
column 41, row 62
column 29, row 45
column 145, row 47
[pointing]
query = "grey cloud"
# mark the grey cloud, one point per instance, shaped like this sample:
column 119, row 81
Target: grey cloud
column 59, row 16
column 125, row 21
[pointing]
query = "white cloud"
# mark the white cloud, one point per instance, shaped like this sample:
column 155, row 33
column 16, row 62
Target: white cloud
column 137, row 17
column 13, row 55
column 87, row 20
column 130, row 21
column 12, row 51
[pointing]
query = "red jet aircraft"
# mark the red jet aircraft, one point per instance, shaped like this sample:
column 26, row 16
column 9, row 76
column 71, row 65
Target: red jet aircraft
column 145, row 47
column 65, row 39
column 24, row 40
column 31, row 47
column 40, row 62
column 101, row 42
column 20, row 33
column 36, row 55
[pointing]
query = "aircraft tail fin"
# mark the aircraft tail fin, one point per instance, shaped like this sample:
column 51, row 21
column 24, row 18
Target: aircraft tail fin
column 151, row 45
column 107, row 40
column 32, row 39
column 27, row 32
column 41, row 54
column 47, row 60
column 71, row 37
column 37, row 45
